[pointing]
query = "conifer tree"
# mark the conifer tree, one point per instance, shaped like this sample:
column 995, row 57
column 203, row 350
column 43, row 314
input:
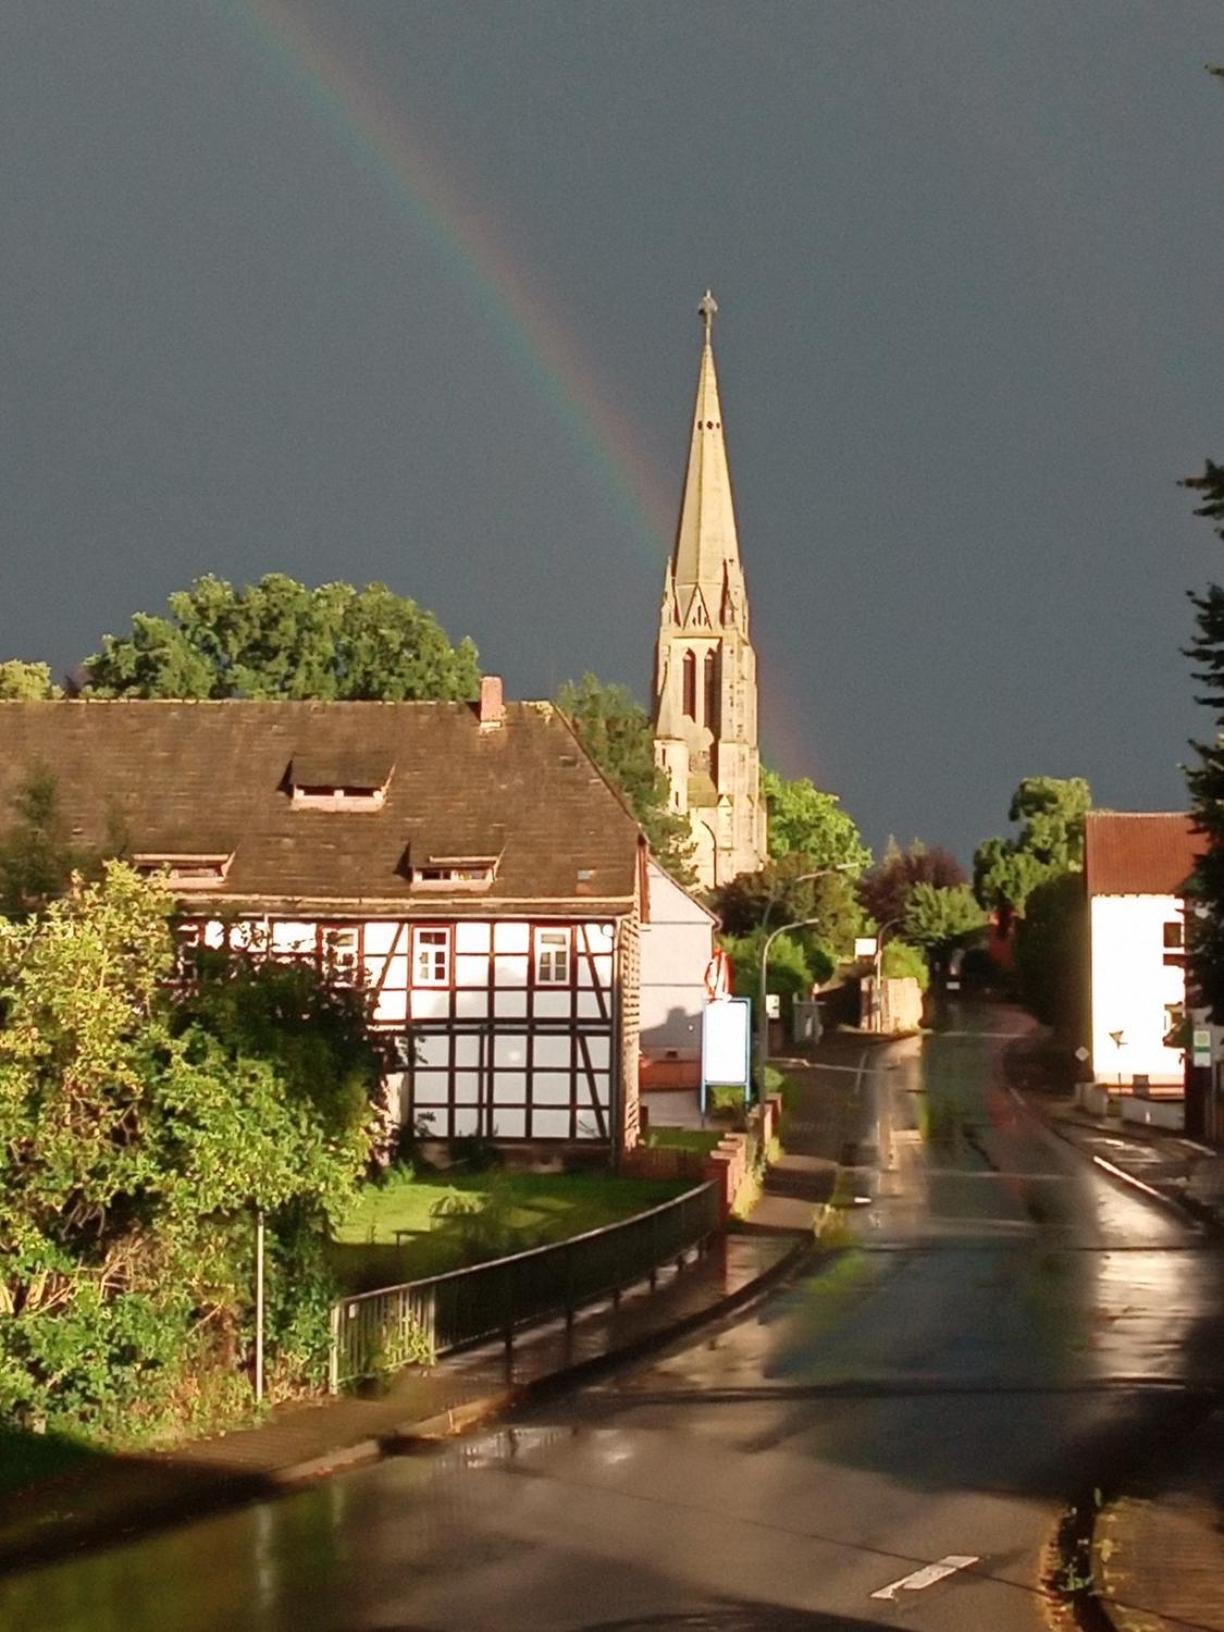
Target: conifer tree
column 1206, row 776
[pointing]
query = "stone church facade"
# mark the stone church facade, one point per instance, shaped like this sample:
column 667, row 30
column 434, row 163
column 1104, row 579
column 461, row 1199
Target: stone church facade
column 705, row 674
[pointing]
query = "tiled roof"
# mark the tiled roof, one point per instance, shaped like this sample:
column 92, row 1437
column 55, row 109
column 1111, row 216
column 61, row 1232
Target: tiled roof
column 1139, row 852
column 180, row 778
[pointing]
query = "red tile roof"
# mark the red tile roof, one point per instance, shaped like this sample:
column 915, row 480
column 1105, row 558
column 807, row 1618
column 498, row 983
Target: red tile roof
column 1139, row 852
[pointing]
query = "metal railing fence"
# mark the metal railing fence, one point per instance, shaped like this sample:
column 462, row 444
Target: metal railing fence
column 377, row 1332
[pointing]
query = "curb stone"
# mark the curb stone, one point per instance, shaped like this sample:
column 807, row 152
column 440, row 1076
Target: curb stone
column 186, row 1505
column 1185, row 1212
column 457, row 1420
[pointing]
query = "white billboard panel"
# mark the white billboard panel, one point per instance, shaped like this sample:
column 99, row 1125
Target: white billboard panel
column 726, row 1038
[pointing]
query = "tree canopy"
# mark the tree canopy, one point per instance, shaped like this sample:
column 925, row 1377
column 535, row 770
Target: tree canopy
column 939, row 919
column 616, row 731
column 899, row 961
column 794, row 967
column 1050, row 812
column 26, row 682
column 804, row 821
column 37, row 856
column 885, row 889
column 779, row 894
column 280, row 639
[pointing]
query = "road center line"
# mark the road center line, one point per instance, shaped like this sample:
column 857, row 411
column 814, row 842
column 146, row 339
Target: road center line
column 927, row 1576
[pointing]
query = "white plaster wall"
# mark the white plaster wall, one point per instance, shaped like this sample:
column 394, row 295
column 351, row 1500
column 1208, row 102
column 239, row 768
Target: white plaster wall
column 676, row 946
column 1132, row 986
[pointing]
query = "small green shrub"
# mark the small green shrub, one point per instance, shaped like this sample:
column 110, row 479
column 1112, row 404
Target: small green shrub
column 482, row 1226
column 474, row 1152
column 726, row 1102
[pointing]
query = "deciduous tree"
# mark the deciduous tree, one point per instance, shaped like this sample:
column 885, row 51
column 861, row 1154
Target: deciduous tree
column 37, row 856
column 793, row 967
column 780, row 894
column 885, row 889
column 805, row 821
column 26, row 682
column 939, row 919
column 134, row 1148
column 1050, row 813
column 616, row 731
column 280, row 639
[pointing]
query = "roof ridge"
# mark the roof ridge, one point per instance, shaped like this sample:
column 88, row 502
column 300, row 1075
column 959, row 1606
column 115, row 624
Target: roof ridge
column 539, row 704
column 1104, row 810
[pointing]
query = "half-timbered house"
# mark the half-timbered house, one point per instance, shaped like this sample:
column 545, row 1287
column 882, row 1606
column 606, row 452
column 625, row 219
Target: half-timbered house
column 467, row 862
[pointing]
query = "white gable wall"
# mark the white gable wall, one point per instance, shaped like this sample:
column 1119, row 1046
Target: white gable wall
column 677, row 944
column 1133, row 987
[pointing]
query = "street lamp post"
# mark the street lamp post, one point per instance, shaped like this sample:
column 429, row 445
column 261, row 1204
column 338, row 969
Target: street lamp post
column 799, row 923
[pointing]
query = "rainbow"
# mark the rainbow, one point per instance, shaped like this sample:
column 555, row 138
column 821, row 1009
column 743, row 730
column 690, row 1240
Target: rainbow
column 346, row 94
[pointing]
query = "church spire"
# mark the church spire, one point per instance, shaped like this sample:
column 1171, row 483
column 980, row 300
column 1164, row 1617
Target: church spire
column 705, row 669
column 706, row 538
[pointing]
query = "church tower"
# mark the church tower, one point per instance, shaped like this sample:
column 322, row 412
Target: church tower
column 705, row 671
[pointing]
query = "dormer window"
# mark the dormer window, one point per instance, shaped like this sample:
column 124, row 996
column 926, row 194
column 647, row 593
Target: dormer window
column 182, row 871
column 348, row 782
column 450, row 873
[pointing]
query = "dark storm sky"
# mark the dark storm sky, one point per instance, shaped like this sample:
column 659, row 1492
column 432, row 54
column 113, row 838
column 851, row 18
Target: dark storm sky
column 400, row 291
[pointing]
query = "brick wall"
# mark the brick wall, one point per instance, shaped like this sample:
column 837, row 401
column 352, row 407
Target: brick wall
column 629, row 962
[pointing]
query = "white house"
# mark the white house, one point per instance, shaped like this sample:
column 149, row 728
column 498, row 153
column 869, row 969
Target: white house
column 677, row 942
column 467, row 863
column 1136, row 864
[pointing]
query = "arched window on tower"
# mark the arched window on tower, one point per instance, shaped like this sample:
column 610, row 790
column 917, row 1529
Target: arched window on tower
column 711, row 692
column 690, row 685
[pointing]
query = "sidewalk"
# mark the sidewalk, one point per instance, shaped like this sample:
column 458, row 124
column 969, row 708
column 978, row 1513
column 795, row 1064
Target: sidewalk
column 1187, row 1175
column 1159, row 1564
column 113, row 1498
column 823, row 1129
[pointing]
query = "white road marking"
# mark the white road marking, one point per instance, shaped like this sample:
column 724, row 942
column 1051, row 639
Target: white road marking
column 927, row 1576
column 821, row 1065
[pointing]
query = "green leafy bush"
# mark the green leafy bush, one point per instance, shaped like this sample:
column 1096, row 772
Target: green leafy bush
column 899, row 960
column 136, row 1146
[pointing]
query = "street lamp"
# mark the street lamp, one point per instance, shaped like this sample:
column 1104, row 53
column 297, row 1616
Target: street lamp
column 799, row 923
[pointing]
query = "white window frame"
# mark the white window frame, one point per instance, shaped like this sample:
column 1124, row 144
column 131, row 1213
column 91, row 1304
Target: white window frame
column 546, row 957
column 437, row 952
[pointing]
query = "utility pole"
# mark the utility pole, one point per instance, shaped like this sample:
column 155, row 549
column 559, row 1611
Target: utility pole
column 259, row 1305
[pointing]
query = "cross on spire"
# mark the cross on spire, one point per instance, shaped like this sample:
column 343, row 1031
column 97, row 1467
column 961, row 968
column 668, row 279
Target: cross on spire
column 706, row 308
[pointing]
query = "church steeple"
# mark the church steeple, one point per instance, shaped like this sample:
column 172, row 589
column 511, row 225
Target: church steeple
column 706, row 540
column 705, row 683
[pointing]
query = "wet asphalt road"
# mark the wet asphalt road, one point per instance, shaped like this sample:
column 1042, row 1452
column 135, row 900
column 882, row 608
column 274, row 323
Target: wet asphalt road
column 1007, row 1329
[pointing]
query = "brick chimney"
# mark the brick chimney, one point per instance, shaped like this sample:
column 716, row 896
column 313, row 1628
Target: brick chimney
column 491, row 709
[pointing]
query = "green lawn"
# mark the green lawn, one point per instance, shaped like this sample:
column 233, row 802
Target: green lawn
column 523, row 1210
column 702, row 1140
